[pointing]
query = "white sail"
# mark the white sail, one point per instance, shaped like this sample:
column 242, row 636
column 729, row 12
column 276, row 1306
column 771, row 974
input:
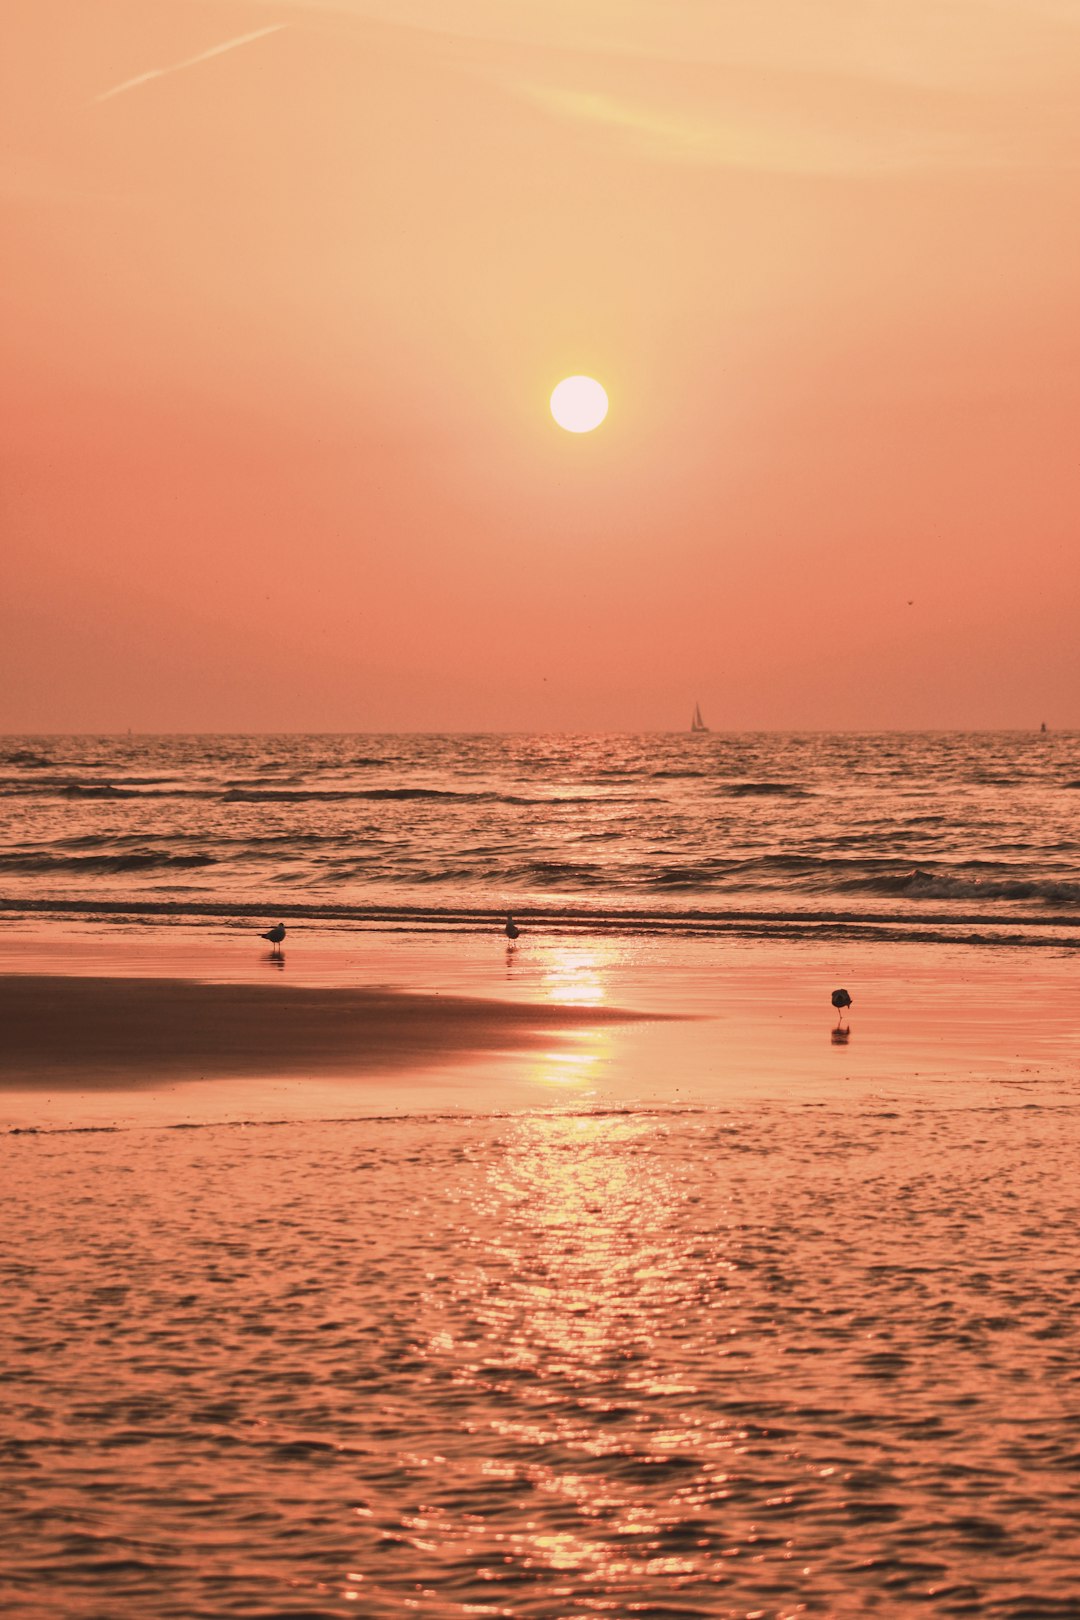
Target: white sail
column 697, row 723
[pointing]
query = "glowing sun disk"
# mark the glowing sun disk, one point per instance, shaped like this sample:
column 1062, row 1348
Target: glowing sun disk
column 579, row 404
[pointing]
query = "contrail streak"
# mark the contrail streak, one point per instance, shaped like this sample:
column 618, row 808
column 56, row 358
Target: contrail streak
column 189, row 61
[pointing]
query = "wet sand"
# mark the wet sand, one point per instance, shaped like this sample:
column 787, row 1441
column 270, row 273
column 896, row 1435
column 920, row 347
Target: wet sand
column 103, row 1025
column 407, row 1275
column 531, row 1308
column 108, row 1033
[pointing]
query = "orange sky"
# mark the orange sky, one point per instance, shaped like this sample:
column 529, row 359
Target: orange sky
column 280, row 326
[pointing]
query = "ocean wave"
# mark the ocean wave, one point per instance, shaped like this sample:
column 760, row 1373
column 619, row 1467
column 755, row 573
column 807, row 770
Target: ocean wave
column 581, row 920
column 122, row 787
column 116, row 787
column 28, row 758
column 953, row 885
column 62, row 764
column 266, row 845
column 336, row 795
column 421, row 794
column 559, row 875
column 607, row 823
column 253, row 783
column 112, row 790
column 41, row 862
column 678, row 877
column 42, row 788
column 786, row 790
column 557, row 801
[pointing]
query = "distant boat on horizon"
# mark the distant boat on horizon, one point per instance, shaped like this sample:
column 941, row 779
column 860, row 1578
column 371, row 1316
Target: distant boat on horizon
column 1043, row 726
column 697, row 723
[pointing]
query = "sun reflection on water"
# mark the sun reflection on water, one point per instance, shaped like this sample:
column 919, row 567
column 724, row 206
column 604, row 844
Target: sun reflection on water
column 572, row 1307
column 573, row 977
column 570, row 1067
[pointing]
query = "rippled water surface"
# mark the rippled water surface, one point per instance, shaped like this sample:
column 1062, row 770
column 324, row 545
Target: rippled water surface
column 914, row 835
column 767, row 1361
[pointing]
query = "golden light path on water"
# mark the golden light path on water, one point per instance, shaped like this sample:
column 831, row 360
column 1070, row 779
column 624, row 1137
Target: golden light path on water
column 573, row 1290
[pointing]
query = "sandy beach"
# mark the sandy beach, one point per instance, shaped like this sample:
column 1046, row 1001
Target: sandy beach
column 597, row 1279
column 81, row 1033
column 167, row 1024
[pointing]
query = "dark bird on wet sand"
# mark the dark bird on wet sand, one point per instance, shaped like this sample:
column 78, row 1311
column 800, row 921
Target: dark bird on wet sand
column 840, row 1000
column 275, row 935
column 512, row 929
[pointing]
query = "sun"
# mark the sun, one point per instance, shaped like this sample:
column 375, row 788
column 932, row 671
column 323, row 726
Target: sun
column 579, row 404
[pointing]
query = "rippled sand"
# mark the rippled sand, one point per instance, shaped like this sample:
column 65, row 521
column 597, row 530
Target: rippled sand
column 802, row 1352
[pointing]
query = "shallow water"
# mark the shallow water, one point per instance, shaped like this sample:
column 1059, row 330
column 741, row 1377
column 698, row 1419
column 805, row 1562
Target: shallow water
column 773, row 1360
column 738, row 1021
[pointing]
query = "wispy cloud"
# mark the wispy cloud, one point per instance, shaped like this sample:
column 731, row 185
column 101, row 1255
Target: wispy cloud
column 805, row 139
column 188, row 61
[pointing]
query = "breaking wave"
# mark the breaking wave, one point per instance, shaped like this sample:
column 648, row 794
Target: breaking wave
column 584, row 919
column 919, row 884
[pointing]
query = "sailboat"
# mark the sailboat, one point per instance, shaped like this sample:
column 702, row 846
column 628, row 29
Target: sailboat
column 697, row 723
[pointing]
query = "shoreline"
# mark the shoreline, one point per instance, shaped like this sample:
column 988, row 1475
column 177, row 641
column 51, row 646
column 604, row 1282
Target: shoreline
column 107, row 1024
column 574, row 919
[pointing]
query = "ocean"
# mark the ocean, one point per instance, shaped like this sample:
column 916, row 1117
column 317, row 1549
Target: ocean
column 721, row 1313
column 970, row 837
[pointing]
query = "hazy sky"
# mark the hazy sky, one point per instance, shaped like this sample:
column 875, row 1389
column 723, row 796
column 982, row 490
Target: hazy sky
column 280, row 322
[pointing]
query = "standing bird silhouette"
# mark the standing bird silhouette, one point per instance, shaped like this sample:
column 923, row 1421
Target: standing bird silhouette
column 512, row 929
column 840, row 1000
column 275, row 935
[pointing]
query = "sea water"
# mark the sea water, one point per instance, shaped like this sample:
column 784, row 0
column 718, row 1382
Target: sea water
column 791, row 1349
column 739, row 1363
column 952, row 835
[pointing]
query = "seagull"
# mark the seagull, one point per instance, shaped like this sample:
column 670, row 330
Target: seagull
column 512, row 929
column 840, row 1000
column 275, row 935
